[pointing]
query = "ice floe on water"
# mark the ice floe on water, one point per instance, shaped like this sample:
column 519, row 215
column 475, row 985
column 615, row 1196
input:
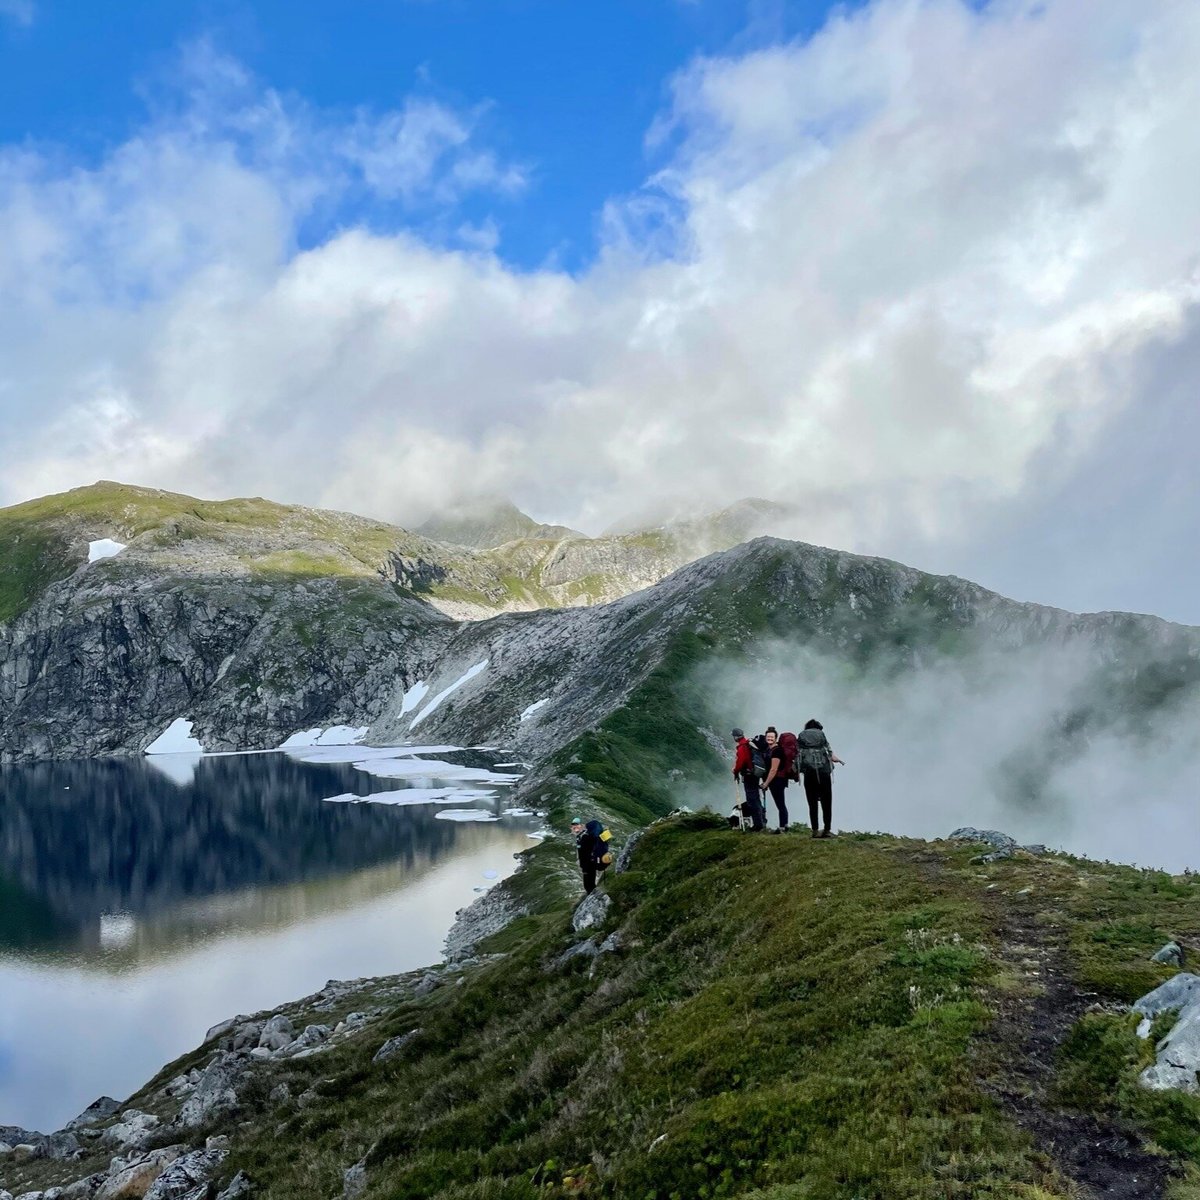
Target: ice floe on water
column 466, row 677
column 176, row 739
column 466, row 814
column 104, row 548
column 413, row 796
column 431, row 768
column 539, row 704
column 334, row 735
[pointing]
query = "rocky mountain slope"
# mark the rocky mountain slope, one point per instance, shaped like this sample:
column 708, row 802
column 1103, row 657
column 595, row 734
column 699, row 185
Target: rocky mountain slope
column 254, row 621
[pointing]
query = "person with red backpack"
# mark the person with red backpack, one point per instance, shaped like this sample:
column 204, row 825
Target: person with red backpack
column 748, row 770
column 780, row 771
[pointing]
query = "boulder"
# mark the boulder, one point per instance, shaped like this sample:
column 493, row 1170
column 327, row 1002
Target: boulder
column 613, row 943
column 313, row 1036
column 14, row 1135
column 277, row 1033
column 134, row 1181
column 239, row 1187
column 588, row 949
column 98, row 1110
column 1178, row 1056
column 220, row 1029
column 62, row 1144
column 187, row 1178
column 217, row 1089
column 591, row 911
column 1178, row 992
column 354, row 1180
column 132, row 1130
column 280, row 1094
column 622, row 863
column 427, row 984
column 84, row 1189
column 247, row 1035
column 1002, row 846
column 1171, row 953
column 395, row 1045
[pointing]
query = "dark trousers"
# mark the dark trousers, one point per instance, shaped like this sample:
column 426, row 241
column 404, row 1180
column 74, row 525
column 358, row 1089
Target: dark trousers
column 589, row 878
column 752, row 805
column 818, row 788
column 778, row 788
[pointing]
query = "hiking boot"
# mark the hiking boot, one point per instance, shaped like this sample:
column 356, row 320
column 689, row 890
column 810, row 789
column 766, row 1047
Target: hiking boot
column 826, row 834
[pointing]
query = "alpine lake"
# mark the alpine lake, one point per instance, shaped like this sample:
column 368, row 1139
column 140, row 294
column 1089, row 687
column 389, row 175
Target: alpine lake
column 144, row 900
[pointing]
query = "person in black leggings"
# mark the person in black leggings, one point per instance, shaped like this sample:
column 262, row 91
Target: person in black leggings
column 816, row 768
column 776, row 781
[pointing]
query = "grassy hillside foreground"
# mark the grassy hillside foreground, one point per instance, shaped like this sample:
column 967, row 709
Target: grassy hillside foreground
column 784, row 1018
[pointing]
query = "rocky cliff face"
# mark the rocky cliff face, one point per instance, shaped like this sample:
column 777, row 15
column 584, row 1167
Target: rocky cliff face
column 254, row 621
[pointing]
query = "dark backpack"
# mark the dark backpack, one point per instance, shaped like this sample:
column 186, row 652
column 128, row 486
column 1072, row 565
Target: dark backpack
column 791, row 752
column 760, row 757
column 601, row 854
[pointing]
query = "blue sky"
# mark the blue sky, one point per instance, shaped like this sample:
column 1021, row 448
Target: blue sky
column 567, row 89
column 923, row 269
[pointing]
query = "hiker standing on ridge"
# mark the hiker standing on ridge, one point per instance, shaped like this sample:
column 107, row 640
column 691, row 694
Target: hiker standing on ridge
column 591, row 846
column 777, row 776
column 816, row 765
column 744, row 772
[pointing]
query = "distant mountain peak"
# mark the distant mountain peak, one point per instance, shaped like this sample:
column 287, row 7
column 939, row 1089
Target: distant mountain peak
column 486, row 524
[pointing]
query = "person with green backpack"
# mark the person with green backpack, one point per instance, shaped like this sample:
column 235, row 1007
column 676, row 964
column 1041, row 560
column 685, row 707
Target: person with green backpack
column 816, row 766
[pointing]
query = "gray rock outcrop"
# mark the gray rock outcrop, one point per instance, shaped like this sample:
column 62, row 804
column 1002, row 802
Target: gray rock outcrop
column 1171, row 953
column 239, row 1188
column 1177, row 1061
column 395, row 1045
column 188, row 1177
column 132, row 1130
column 99, row 1110
column 217, row 1090
column 626, row 855
column 133, row 1180
column 591, row 912
column 277, row 1033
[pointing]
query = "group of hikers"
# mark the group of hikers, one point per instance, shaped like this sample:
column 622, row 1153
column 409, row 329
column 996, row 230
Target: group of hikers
column 766, row 764
column 763, row 765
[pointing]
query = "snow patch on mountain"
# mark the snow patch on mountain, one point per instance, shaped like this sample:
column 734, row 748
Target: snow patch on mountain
column 176, row 739
column 466, row 677
column 104, row 548
column 334, row 735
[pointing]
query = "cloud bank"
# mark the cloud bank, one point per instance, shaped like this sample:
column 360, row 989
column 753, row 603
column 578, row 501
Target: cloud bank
column 913, row 273
column 996, row 739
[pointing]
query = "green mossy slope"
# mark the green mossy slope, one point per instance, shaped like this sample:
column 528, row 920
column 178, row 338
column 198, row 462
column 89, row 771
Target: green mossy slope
column 786, row 1018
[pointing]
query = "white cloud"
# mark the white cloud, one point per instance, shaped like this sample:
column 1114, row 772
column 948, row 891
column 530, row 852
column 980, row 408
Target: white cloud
column 21, row 11
column 884, row 273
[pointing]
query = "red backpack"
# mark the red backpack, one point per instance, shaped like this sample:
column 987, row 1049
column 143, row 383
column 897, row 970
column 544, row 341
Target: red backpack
column 791, row 753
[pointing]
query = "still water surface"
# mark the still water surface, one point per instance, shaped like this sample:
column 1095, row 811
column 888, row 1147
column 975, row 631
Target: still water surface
column 142, row 902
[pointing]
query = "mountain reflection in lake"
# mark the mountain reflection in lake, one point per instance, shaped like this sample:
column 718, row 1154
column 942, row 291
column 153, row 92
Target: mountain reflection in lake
column 142, row 901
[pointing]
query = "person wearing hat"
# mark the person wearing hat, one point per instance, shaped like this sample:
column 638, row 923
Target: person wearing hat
column 585, row 848
column 743, row 770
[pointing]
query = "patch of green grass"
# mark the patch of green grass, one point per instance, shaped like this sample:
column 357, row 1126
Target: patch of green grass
column 1101, row 1061
column 786, row 1014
